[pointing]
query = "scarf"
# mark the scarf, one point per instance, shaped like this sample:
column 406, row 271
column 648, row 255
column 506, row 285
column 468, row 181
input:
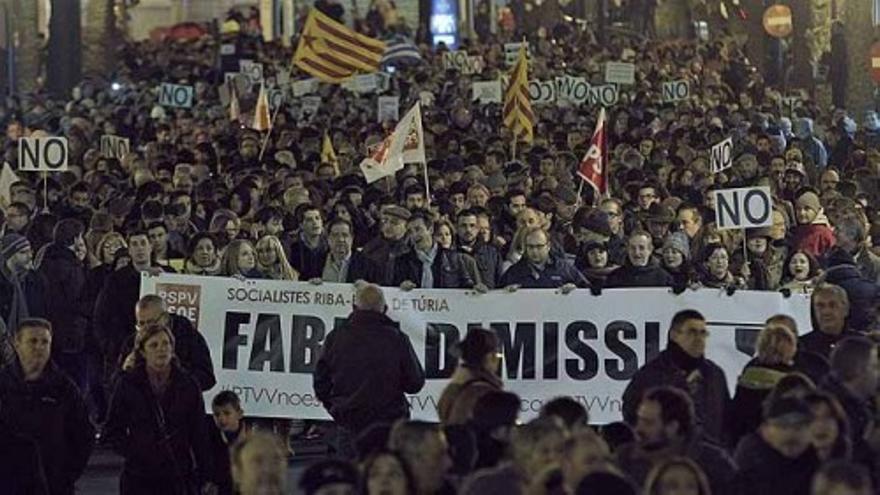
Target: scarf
column 682, row 359
column 427, row 259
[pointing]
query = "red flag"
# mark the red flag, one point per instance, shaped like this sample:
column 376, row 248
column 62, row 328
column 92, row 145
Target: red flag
column 592, row 167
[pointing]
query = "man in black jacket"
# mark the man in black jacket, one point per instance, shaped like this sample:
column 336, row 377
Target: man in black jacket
column 189, row 344
column 427, row 265
column 486, row 255
column 830, row 305
column 42, row 403
column 640, row 269
column 365, row 368
column 63, row 265
column 683, row 365
column 853, row 381
column 666, row 428
column 342, row 264
column 114, row 320
column 539, row 269
column 778, row 458
column 391, row 243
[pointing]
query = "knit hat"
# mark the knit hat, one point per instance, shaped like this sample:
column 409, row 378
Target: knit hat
column 810, row 200
column 12, row 244
column 678, row 241
column 758, row 232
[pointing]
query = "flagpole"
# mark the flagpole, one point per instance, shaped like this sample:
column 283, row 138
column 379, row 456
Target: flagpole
column 513, row 148
column 271, row 126
column 580, row 197
column 427, row 185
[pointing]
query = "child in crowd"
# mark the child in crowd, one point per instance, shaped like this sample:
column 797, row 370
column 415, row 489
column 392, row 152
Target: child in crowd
column 229, row 428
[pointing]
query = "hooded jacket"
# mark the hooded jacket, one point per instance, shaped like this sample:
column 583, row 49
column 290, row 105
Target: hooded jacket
column 63, row 304
column 810, row 146
column 863, row 294
column 365, row 368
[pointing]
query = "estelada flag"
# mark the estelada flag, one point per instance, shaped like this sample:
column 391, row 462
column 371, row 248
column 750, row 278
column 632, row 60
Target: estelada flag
column 593, row 166
column 262, row 120
column 517, row 113
column 332, row 52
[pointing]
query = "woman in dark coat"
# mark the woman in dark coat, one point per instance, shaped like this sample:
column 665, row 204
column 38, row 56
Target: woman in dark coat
column 156, row 421
column 475, row 377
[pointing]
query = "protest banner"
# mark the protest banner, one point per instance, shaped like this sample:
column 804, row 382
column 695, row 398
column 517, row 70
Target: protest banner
column 462, row 62
column 511, row 52
column 570, row 89
column 676, row 91
column 487, row 91
column 252, row 70
column 605, row 95
column 42, row 154
column 304, row 87
column 721, row 156
column 620, row 73
column 743, row 208
column 176, row 95
column 388, row 109
column 542, row 92
column 114, row 146
column 265, row 336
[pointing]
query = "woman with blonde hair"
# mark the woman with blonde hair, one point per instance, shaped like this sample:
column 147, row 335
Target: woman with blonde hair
column 156, row 421
column 776, row 349
column 271, row 260
column 677, row 475
column 240, row 260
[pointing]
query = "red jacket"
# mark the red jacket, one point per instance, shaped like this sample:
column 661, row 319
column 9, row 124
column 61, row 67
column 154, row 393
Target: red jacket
column 816, row 239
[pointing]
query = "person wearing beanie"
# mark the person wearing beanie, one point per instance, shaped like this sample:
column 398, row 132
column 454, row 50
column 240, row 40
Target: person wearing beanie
column 64, row 264
column 813, row 233
column 21, row 287
column 676, row 260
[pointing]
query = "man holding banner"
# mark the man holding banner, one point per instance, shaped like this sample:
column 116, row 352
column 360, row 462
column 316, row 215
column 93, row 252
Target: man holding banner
column 365, row 368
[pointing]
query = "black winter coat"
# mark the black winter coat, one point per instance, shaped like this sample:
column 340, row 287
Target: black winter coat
column 21, row 468
column 557, row 272
column 651, row 275
column 382, row 252
column 33, row 286
column 864, row 294
column 764, row 471
column 134, row 427
column 307, row 261
column 752, row 387
column 821, row 343
column 64, row 307
column 191, row 350
column 50, row 411
column 489, row 262
column 710, row 394
column 451, row 270
column 365, row 368
column 114, row 320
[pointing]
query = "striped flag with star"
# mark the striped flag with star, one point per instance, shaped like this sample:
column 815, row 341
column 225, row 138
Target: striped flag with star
column 332, row 52
column 518, row 116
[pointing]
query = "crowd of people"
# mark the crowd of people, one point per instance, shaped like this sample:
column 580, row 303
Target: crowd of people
column 200, row 193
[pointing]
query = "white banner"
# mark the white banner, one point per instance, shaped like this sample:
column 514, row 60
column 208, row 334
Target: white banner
column 721, row 156
column 42, row 154
column 620, row 73
column 264, row 336
column 487, row 91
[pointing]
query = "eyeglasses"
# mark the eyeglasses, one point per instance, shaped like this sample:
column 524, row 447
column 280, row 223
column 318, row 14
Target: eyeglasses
column 535, row 246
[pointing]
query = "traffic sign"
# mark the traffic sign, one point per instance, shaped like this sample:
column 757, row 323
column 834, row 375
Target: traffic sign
column 777, row 21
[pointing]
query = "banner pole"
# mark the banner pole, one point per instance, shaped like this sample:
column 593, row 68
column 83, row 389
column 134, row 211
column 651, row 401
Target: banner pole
column 427, row 185
column 513, row 149
column 45, row 192
column 580, row 198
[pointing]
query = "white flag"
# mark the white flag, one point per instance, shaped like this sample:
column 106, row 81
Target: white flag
column 404, row 145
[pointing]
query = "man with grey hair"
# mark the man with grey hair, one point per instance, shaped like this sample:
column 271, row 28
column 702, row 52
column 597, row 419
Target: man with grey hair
column 366, row 367
column 830, row 311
